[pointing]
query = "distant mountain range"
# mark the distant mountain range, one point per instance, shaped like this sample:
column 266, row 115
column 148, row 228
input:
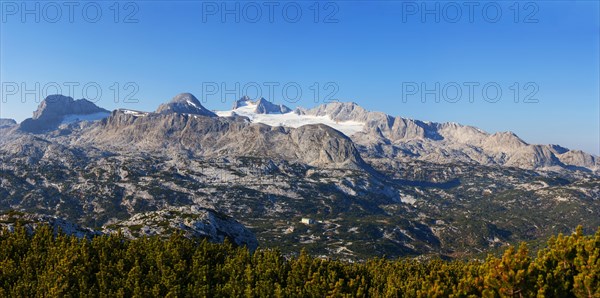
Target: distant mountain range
column 373, row 134
column 357, row 172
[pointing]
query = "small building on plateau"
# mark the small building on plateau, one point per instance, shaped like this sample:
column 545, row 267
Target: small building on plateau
column 307, row 221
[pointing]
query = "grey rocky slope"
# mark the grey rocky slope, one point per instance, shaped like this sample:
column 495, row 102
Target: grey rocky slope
column 410, row 208
column 407, row 139
column 52, row 111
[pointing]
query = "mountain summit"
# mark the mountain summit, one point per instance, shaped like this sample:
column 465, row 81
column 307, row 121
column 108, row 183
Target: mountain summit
column 57, row 109
column 185, row 103
column 261, row 106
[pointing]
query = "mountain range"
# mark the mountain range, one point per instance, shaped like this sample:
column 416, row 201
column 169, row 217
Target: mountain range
column 373, row 134
column 373, row 183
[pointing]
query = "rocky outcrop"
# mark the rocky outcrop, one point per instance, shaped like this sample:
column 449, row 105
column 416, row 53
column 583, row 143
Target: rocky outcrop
column 194, row 222
column 264, row 106
column 185, row 103
column 52, row 111
column 242, row 102
column 32, row 221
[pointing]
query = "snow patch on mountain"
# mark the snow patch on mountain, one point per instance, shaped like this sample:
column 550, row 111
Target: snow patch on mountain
column 134, row 113
column 291, row 119
column 191, row 103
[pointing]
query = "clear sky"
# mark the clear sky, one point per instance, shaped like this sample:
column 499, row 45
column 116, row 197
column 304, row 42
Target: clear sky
column 381, row 55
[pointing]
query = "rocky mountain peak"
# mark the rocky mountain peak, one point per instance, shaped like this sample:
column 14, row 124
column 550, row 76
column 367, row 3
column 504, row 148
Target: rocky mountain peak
column 242, row 102
column 5, row 122
column 57, row 106
column 54, row 109
column 505, row 139
column 186, row 98
column 264, row 106
column 261, row 106
column 185, row 103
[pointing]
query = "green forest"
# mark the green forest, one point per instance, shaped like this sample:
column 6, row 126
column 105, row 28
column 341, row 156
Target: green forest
column 45, row 264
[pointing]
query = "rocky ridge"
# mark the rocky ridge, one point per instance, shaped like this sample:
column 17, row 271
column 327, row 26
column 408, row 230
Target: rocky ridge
column 408, row 139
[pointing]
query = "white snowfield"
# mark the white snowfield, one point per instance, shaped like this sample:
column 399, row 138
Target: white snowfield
column 134, row 113
column 67, row 119
column 292, row 119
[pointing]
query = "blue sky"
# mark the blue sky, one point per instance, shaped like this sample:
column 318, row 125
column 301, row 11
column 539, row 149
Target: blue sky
column 367, row 52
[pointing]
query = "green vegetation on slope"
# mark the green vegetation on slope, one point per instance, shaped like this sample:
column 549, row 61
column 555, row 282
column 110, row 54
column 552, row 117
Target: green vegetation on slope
column 43, row 264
